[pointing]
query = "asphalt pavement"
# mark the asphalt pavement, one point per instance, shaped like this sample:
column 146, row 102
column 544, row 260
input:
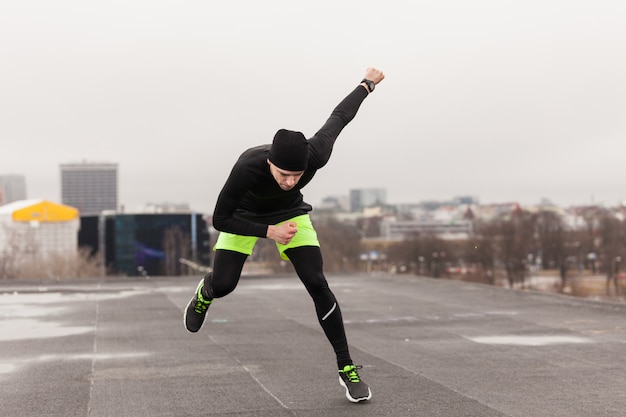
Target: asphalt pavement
column 428, row 347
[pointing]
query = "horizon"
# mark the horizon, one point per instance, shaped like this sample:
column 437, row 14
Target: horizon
column 422, row 200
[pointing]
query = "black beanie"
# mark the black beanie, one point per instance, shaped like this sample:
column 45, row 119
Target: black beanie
column 289, row 151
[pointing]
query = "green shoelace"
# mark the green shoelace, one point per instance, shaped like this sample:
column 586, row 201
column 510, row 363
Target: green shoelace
column 351, row 373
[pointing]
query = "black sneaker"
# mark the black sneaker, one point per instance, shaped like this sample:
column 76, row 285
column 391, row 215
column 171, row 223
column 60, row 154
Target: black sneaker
column 356, row 389
column 196, row 310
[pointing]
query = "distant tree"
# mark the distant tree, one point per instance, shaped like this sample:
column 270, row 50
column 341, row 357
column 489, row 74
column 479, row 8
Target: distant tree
column 176, row 245
column 592, row 218
column 481, row 250
column 21, row 251
column 403, row 253
column 429, row 253
column 61, row 266
column 612, row 233
column 551, row 236
column 340, row 244
column 369, row 226
column 9, row 257
column 515, row 243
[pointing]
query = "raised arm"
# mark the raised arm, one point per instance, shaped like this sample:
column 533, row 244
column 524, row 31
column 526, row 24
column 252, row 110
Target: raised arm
column 321, row 144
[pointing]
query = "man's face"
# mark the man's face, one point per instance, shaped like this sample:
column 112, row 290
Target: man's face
column 286, row 179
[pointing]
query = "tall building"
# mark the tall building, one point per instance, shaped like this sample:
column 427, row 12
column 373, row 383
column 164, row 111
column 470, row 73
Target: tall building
column 90, row 187
column 367, row 197
column 12, row 188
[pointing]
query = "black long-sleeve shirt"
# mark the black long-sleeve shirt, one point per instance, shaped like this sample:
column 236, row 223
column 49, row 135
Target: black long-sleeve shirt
column 251, row 199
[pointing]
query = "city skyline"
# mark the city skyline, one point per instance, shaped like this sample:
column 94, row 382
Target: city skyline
column 505, row 101
column 346, row 194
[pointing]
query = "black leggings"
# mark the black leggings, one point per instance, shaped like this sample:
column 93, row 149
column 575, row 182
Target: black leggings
column 308, row 263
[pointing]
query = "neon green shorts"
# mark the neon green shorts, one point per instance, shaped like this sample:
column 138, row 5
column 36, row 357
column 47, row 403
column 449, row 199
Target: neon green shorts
column 305, row 236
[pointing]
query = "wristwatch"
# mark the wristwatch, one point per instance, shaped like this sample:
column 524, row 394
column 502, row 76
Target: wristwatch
column 370, row 84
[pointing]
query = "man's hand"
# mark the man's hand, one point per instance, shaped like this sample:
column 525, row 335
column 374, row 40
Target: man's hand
column 374, row 75
column 282, row 233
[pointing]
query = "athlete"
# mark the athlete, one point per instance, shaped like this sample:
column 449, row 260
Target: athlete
column 261, row 199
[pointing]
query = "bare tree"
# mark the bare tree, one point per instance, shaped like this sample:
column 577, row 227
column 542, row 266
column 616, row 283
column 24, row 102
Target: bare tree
column 8, row 262
column 60, row 266
column 340, row 244
column 612, row 244
column 481, row 249
column 21, row 250
column 176, row 245
column 550, row 234
column 516, row 242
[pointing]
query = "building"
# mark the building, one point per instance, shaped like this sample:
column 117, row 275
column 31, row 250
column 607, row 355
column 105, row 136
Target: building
column 12, row 188
column 147, row 243
column 367, row 197
column 167, row 207
column 37, row 229
column 90, row 187
column 334, row 203
column 392, row 229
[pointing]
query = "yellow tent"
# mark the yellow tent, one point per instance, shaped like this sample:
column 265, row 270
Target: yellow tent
column 43, row 211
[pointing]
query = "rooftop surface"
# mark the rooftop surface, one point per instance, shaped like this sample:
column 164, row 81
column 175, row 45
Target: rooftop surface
column 428, row 347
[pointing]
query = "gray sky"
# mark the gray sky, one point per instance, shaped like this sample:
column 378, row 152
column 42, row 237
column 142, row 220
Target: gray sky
column 503, row 100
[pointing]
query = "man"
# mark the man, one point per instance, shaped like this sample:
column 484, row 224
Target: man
column 261, row 199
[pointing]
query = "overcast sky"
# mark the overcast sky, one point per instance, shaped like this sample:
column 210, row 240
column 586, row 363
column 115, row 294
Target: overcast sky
column 501, row 100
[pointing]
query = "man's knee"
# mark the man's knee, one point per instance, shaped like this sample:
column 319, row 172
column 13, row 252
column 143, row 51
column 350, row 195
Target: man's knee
column 314, row 281
column 216, row 288
column 221, row 288
column 227, row 269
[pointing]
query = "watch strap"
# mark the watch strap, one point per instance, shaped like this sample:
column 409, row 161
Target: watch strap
column 370, row 84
